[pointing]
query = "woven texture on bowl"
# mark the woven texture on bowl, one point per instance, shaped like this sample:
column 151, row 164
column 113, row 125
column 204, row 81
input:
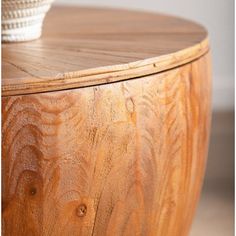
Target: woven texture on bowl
column 22, row 19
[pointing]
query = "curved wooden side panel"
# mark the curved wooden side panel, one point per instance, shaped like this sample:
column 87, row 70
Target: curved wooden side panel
column 119, row 159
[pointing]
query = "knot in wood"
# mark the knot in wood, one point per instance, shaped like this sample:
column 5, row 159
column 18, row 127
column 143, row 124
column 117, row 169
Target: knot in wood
column 33, row 191
column 81, row 210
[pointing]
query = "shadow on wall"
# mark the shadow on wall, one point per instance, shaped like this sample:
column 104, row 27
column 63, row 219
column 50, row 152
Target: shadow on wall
column 220, row 166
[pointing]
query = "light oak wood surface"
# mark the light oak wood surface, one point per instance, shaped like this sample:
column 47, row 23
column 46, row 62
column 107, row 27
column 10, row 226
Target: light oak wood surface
column 86, row 46
column 119, row 159
column 94, row 154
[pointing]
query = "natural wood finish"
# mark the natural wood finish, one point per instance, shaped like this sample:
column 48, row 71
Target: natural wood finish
column 125, row 158
column 122, row 150
column 87, row 46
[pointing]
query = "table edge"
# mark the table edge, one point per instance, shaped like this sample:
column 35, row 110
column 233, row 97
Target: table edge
column 109, row 74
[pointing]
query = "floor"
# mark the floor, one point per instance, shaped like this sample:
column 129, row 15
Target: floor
column 215, row 214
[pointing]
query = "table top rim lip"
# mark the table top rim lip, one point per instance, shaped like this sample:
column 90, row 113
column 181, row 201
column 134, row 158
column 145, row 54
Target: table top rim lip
column 112, row 73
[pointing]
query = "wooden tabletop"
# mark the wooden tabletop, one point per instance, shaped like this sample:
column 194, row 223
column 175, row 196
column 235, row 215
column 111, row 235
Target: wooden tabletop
column 91, row 46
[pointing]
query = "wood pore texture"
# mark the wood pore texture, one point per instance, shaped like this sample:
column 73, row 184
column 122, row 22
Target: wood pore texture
column 119, row 159
column 105, row 125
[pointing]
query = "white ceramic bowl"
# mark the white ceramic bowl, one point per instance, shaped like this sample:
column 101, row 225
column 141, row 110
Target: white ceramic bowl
column 22, row 19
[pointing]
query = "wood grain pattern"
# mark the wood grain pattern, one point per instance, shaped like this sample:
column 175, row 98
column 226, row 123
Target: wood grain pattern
column 89, row 46
column 125, row 158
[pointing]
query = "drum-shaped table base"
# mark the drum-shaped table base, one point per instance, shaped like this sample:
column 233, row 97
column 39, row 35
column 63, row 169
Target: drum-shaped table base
column 124, row 158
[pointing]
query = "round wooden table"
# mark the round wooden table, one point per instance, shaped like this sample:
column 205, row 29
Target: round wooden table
column 105, row 125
